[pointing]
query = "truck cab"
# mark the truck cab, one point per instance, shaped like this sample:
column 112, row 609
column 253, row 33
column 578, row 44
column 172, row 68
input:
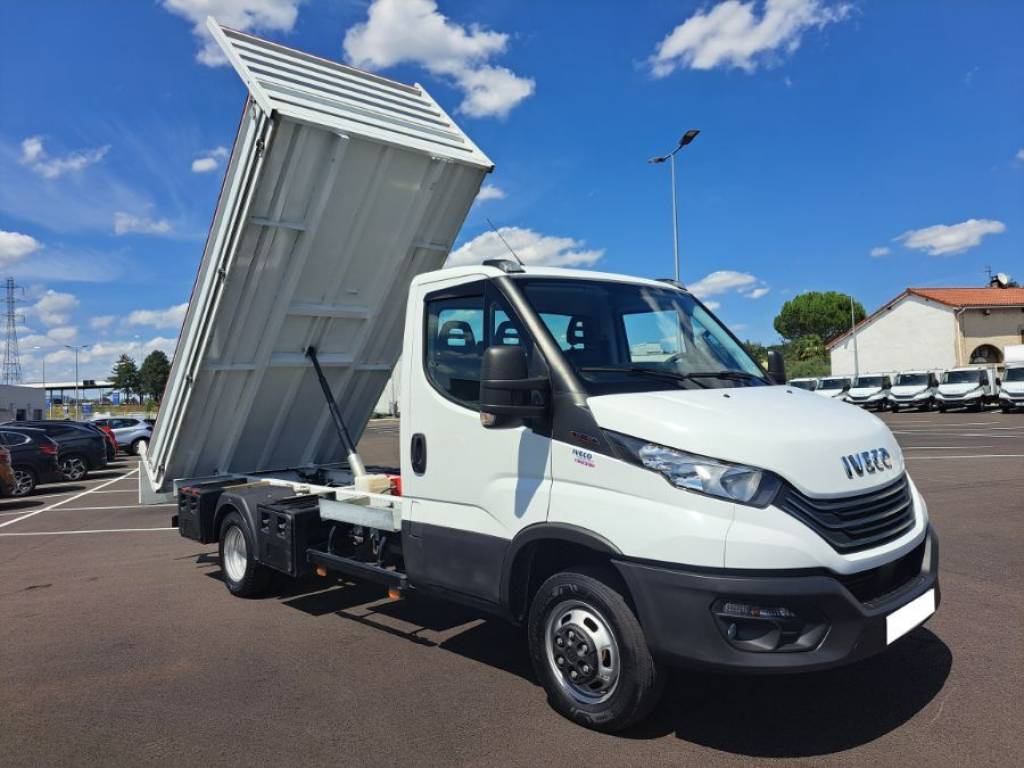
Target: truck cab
column 871, row 391
column 833, row 387
column 1011, row 390
column 913, row 389
column 968, row 387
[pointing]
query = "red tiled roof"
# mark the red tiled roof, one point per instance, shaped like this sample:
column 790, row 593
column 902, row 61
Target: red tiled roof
column 973, row 297
column 951, row 297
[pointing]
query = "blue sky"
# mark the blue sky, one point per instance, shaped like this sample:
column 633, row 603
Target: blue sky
column 828, row 129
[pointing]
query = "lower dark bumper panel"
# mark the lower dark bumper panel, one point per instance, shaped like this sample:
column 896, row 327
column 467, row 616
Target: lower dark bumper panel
column 677, row 610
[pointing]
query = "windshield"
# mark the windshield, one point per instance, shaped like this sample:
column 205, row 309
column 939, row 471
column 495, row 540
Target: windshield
column 1014, row 374
column 962, row 377
column 623, row 337
column 833, row 383
column 868, row 381
column 807, row 384
column 912, row 379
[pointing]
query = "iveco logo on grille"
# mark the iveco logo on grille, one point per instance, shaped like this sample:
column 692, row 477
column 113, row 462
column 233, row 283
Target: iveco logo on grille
column 875, row 460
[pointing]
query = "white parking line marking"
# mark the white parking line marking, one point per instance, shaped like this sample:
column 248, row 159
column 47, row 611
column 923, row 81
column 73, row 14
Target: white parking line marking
column 76, row 533
column 972, row 456
column 122, row 506
column 942, row 447
column 65, row 501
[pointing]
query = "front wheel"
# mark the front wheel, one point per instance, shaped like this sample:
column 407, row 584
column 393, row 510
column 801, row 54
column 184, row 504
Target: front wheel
column 24, row 482
column 135, row 448
column 243, row 576
column 894, row 408
column 589, row 651
column 74, row 468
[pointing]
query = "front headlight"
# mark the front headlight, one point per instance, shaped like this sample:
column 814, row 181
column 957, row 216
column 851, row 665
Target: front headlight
column 735, row 482
column 921, row 395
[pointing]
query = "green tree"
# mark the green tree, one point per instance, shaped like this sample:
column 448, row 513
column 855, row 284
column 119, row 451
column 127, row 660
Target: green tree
column 809, row 347
column 125, row 376
column 757, row 350
column 153, row 374
column 824, row 315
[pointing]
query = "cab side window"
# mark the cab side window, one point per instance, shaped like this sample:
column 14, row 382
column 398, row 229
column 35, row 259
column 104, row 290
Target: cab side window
column 455, row 346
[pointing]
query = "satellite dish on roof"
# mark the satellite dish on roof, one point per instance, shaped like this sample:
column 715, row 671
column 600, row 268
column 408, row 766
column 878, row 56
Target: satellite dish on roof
column 1002, row 280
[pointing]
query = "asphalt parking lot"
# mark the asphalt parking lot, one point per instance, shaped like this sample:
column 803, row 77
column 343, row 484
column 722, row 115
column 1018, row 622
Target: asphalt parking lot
column 119, row 645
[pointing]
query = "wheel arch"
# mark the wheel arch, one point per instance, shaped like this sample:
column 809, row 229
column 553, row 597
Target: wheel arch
column 542, row 549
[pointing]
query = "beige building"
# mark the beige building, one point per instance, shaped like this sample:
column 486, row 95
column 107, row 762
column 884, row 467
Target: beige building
column 933, row 328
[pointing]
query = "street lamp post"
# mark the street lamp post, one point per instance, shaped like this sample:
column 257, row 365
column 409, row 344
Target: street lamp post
column 76, row 348
column 687, row 137
column 43, row 360
column 853, row 333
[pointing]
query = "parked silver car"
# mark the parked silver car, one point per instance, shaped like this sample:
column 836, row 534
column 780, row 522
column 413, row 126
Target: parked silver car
column 128, row 431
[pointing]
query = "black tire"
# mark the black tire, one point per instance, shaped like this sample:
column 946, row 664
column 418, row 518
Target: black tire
column 74, row 467
column 135, row 445
column 253, row 580
column 941, row 408
column 1005, row 408
column 25, row 481
column 894, row 408
column 639, row 680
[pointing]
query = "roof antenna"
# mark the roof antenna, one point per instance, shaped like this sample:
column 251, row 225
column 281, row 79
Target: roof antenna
column 491, row 223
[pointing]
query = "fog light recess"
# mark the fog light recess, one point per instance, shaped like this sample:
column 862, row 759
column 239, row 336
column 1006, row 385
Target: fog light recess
column 768, row 627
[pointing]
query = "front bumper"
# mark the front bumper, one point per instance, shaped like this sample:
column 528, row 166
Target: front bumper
column 1011, row 401
column 675, row 608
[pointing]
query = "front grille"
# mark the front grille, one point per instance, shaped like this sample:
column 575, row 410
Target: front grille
column 853, row 523
column 876, row 584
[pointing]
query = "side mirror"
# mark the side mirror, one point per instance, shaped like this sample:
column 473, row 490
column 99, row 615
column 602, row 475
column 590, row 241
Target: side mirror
column 776, row 367
column 505, row 387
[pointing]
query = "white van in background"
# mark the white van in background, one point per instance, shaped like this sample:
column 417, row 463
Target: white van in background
column 1011, row 391
column 871, row 391
column 833, row 386
column 969, row 387
column 913, row 389
column 808, row 384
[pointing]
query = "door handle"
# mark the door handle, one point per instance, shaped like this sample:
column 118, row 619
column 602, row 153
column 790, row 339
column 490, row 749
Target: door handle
column 418, row 453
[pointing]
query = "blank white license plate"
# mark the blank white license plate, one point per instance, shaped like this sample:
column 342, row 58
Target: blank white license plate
column 901, row 621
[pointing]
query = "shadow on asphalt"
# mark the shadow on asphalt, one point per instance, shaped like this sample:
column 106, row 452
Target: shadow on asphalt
column 767, row 716
column 805, row 715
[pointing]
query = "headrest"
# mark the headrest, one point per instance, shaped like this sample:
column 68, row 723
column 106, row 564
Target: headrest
column 457, row 334
column 575, row 332
column 507, row 333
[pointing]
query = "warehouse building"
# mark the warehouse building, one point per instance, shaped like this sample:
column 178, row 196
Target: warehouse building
column 20, row 403
column 933, row 328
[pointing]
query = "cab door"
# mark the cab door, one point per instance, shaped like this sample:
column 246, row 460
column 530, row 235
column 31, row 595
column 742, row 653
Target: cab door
column 471, row 488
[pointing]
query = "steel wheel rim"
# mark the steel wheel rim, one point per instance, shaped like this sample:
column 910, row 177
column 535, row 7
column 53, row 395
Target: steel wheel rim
column 235, row 553
column 573, row 624
column 22, row 482
column 74, row 468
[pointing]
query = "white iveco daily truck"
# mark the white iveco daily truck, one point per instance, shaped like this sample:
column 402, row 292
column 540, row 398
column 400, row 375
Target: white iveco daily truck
column 590, row 455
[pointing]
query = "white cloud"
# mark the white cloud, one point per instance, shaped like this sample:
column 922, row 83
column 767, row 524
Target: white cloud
column 1020, row 154
column 532, row 247
column 98, row 360
column 243, row 15
column 209, row 160
column 712, row 305
column 723, row 281
column 53, row 308
column 413, row 31
column 15, row 246
column 102, row 321
column 128, row 223
column 731, row 35
column 34, row 155
column 879, row 250
column 36, row 340
column 172, row 317
column 757, row 293
column 63, row 334
column 490, row 192
column 950, row 238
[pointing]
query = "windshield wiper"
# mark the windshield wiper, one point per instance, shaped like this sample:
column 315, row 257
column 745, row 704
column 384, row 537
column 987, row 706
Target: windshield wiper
column 644, row 372
column 731, row 375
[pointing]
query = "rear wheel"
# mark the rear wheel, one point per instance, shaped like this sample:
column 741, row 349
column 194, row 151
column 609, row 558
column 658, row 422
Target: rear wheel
column 136, row 444
column 243, row 576
column 74, row 468
column 24, row 481
column 589, row 651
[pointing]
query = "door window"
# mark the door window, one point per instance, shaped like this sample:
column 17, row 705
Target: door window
column 455, row 347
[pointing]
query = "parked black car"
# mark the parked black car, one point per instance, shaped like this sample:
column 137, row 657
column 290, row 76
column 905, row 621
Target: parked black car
column 33, row 458
column 81, row 448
